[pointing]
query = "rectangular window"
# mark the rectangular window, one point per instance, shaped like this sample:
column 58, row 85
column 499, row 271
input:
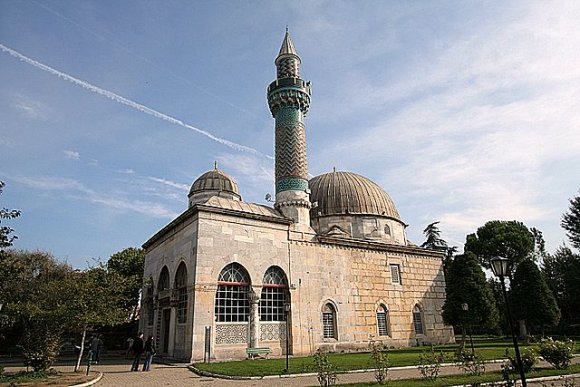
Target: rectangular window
column 382, row 322
column 182, row 306
column 395, row 273
column 328, row 325
column 418, row 323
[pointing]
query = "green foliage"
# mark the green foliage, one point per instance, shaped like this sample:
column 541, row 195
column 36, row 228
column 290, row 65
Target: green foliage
column 508, row 239
column 561, row 271
column 466, row 283
column 430, row 363
column 381, row 362
column 433, row 235
column 470, row 363
column 129, row 264
column 557, row 353
column 529, row 358
column 326, row 372
column 530, row 298
column 571, row 222
column 6, row 239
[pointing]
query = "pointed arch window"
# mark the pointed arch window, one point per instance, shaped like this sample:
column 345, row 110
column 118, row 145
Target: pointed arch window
column 163, row 283
column 274, row 295
column 418, row 320
column 329, row 321
column 232, row 303
column 181, row 288
column 383, row 321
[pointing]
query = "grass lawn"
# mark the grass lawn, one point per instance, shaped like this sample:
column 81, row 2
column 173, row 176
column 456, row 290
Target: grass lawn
column 488, row 350
column 53, row 379
column 452, row 380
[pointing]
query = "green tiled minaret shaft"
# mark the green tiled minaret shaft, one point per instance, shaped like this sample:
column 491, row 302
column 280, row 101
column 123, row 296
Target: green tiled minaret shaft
column 289, row 100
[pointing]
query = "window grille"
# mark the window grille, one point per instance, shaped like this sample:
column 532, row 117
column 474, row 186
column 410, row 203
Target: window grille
column 181, row 285
column 395, row 273
column 383, row 321
column 417, row 320
column 232, row 303
column 329, row 322
column 273, row 297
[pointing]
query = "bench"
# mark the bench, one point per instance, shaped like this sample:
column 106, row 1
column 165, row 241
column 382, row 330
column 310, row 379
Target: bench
column 254, row 352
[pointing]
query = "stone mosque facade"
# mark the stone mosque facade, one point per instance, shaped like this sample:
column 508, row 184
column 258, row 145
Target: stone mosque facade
column 327, row 267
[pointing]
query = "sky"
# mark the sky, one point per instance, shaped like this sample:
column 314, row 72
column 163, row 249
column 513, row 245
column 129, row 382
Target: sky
column 464, row 112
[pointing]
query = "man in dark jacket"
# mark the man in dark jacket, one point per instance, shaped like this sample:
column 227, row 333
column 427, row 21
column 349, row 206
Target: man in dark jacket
column 138, row 347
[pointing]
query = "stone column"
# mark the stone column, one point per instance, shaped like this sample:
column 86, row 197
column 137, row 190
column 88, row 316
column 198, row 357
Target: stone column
column 254, row 319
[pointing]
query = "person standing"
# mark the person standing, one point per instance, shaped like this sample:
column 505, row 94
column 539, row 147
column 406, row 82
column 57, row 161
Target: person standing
column 95, row 347
column 149, row 353
column 138, row 347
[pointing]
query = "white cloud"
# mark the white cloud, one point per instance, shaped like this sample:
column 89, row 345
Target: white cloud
column 180, row 186
column 71, row 155
column 76, row 190
column 29, row 107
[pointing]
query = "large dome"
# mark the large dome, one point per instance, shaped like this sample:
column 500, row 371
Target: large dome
column 347, row 193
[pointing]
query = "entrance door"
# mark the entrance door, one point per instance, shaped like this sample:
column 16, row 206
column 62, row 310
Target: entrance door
column 166, row 322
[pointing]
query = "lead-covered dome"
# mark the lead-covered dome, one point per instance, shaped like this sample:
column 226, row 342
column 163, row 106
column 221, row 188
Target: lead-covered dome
column 213, row 183
column 351, row 206
column 340, row 193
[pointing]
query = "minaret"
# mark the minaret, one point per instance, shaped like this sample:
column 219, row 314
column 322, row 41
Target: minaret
column 289, row 100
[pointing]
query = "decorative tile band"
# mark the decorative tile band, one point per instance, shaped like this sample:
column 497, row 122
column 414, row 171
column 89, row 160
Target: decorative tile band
column 291, row 184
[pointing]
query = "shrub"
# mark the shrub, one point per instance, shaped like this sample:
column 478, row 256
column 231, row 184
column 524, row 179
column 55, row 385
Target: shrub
column 557, row 353
column 430, row 363
column 325, row 370
column 529, row 359
column 381, row 360
column 470, row 363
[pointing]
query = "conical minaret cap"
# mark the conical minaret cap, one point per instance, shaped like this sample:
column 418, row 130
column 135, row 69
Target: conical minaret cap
column 287, row 48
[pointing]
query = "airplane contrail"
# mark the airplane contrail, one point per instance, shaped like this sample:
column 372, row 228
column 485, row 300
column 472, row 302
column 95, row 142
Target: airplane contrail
column 128, row 102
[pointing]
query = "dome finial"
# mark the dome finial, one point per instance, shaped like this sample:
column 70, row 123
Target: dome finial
column 215, row 165
column 334, row 169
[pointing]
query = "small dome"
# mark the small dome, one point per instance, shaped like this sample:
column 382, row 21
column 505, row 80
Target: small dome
column 213, row 183
column 341, row 193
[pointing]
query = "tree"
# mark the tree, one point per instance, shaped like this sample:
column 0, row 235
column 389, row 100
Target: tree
column 5, row 239
column 466, row 283
column 94, row 297
column 433, row 235
column 561, row 271
column 571, row 222
column 27, row 286
column 508, row 239
column 531, row 299
column 129, row 263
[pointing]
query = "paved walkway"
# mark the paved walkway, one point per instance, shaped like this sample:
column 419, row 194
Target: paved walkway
column 116, row 374
column 179, row 375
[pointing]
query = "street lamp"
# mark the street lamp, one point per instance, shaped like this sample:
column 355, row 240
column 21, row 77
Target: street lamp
column 287, row 312
column 501, row 268
column 465, row 307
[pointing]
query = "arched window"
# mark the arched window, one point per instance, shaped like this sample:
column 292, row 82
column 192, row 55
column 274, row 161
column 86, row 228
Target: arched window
column 273, row 297
column 387, row 230
column 181, row 287
column 231, row 301
column 418, row 320
column 329, row 321
column 163, row 279
column 383, row 320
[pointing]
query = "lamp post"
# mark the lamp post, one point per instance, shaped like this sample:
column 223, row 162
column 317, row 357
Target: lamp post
column 465, row 307
column 501, row 268
column 287, row 312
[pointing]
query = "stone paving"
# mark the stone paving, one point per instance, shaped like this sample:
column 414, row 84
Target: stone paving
column 116, row 374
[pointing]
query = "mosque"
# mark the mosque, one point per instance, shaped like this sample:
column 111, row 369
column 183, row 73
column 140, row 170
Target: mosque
column 327, row 267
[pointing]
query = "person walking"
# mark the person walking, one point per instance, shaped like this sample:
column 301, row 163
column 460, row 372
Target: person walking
column 95, row 347
column 138, row 347
column 149, row 353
